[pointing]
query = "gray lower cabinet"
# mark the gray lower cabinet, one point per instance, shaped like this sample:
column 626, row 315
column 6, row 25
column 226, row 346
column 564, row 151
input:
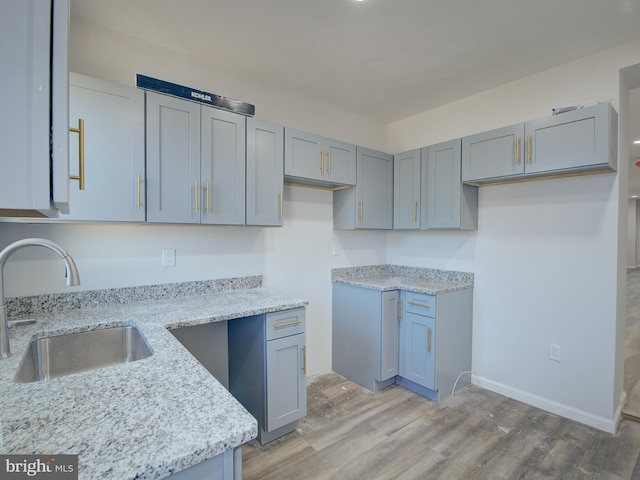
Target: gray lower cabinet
column 420, row 341
column 569, row 143
column 315, row 160
column 370, row 204
column 107, row 154
column 265, row 175
column 435, row 342
column 226, row 466
column 267, row 369
column 365, row 335
column 446, row 202
column 406, row 190
column 195, row 163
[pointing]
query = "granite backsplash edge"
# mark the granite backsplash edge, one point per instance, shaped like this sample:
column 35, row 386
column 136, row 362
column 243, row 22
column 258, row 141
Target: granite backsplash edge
column 21, row 307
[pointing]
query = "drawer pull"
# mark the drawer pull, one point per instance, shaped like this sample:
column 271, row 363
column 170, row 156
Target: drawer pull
column 517, row 150
column 287, row 324
column 416, row 304
column 428, row 339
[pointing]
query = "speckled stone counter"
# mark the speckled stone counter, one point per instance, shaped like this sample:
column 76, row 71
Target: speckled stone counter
column 397, row 277
column 145, row 419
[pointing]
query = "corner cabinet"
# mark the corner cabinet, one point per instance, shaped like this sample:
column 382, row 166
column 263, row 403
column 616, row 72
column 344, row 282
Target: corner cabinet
column 267, row 369
column 314, row 160
column 34, row 37
column 195, row 163
column 365, row 335
column 265, row 175
column 446, row 202
column 569, row 143
column 406, row 190
column 370, row 203
column 420, row 341
column 107, row 151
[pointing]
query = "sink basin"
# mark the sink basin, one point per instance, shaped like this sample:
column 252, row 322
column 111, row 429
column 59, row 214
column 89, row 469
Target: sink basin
column 62, row 355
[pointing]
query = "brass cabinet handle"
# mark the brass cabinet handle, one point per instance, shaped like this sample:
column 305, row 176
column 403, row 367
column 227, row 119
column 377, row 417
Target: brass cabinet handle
column 322, row 160
column 287, row 324
column 304, row 359
column 428, row 339
column 80, row 132
column 138, row 203
column 197, row 198
column 208, row 198
column 399, row 309
column 529, row 149
column 361, row 211
column 415, row 212
column 328, row 160
column 517, row 150
column 416, row 304
column 281, row 203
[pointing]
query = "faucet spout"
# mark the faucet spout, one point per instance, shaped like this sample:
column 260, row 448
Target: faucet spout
column 73, row 278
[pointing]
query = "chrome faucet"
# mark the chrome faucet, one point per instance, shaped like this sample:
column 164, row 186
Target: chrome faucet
column 73, row 278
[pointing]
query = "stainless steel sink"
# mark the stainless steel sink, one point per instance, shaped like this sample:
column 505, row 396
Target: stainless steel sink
column 62, row 355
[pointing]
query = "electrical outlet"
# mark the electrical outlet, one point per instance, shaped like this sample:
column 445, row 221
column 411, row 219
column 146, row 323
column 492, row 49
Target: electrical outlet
column 168, row 257
column 555, row 352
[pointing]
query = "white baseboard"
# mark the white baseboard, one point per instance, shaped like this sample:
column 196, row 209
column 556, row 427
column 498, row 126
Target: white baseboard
column 609, row 425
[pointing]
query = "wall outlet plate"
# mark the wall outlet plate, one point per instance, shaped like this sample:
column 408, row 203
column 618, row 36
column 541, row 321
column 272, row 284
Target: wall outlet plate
column 168, row 257
column 555, row 352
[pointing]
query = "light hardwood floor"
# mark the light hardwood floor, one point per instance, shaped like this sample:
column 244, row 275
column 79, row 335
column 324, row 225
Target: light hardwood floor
column 351, row 433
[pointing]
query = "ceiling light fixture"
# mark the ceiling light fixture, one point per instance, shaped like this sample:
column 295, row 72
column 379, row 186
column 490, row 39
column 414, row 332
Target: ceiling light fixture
column 636, row 141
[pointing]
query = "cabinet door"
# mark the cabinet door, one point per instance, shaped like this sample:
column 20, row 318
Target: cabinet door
column 389, row 336
column 374, row 191
column 30, row 180
column 265, row 181
column 286, row 381
column 222, row 168
column 494, row 154
column 113, row 156
column 303, row 155
column 340, row 162
column 406, row 190
column 419, row 345
column 441, row 185
column 173, row 160
column 572, row 140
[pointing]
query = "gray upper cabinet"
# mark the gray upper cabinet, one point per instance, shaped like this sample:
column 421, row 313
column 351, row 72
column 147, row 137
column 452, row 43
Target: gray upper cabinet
column 195, row 163
column 109, row 169
column 406, row 190
column 265, row 175
column 173, row 159
column 34, row 114
column 447, row 203
column 315, row 160
column 370, row 203
column 584, row 139
column 493, row 154
column 568, row 143
column 222, row 168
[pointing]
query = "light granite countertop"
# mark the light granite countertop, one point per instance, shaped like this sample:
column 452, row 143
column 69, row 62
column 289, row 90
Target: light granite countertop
column 397, row 277
column 145, row 419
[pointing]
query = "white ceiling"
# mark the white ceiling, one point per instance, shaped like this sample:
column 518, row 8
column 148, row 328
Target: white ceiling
column 385, row 59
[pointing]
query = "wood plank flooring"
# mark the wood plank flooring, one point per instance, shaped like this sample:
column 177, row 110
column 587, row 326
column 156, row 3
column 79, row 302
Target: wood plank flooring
column 351, row 433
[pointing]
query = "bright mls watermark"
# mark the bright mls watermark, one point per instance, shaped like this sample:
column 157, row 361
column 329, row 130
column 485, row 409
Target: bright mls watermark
column 51, row 467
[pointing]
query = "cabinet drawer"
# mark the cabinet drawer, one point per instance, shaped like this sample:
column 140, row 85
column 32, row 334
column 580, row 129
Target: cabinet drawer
column 420, row 304
column 285, row 323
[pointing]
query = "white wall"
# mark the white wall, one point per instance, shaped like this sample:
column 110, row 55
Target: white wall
column 546, row 254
